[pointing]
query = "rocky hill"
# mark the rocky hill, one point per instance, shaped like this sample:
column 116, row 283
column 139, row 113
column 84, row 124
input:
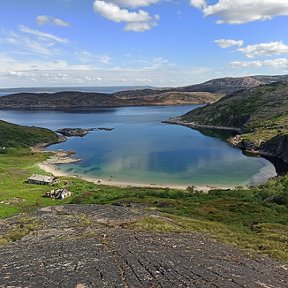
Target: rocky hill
column 260, row 114
column 92, row 246
column 207, row 92
column 229, row 84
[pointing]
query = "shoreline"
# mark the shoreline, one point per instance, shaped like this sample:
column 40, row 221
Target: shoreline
column 49, row 166
column 194, row 125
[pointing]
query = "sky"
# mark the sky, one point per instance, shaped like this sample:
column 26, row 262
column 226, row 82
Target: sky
column 159, row 43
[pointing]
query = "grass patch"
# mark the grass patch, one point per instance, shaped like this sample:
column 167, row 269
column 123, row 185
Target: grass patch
column 20, row 230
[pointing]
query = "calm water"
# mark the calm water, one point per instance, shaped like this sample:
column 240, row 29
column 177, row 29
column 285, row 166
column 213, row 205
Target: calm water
column 142, row 149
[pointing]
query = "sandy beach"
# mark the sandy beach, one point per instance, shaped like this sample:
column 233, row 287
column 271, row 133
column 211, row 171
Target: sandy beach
column 61, row 157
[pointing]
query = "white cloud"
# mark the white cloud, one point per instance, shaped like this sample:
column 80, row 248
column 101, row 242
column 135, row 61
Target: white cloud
column 138, row 26
column 86, row 56
column 134, row 3
column 157, row 63
column 28, row 44
column 41, row 35
column 226, row 43
column 265, row 49
column 198, row 3
column 243, row 11
column 136, row 21
column 27, row 73
column 8, row 63
column 116, row 14
column 280, row 63
column 44, row 19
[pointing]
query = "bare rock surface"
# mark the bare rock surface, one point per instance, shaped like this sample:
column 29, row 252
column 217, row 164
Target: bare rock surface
column 88, row 246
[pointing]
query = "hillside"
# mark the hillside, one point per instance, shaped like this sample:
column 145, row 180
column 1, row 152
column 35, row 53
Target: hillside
column 232, row 84
column 260, row 114
column 205, row 93
column 12, row 135
column 88, row 101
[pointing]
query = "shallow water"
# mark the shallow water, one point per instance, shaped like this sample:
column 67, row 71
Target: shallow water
column 142, row 149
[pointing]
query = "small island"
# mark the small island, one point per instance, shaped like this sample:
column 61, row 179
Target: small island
column 70, row 132
column 80, row 132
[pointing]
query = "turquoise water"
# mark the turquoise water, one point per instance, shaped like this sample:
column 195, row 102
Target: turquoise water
column 142, row 149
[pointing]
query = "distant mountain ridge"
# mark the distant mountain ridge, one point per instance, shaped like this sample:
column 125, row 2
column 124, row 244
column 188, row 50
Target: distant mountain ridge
column 205, row 93
column 88, row 101
column 232, row 84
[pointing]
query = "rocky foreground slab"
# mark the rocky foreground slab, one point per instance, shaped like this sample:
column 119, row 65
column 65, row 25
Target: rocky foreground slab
column 90, row 246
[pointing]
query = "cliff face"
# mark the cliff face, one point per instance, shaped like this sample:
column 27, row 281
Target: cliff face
column 277, row 146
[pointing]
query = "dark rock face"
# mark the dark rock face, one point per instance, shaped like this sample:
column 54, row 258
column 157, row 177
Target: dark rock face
column 88, row 246
column 277, row 146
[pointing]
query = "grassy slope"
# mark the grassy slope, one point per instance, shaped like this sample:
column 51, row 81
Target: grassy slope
column 260, row 112
column 254, row 219
column 12, row 135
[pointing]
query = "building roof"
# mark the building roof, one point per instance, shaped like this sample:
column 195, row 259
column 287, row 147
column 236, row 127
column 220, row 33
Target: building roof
column 41, row 178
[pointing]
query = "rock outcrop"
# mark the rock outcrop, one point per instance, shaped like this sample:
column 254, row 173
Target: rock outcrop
column 70, row 132
column 92, row 246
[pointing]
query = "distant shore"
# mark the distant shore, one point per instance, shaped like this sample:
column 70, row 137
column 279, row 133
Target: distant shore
column 63, row 157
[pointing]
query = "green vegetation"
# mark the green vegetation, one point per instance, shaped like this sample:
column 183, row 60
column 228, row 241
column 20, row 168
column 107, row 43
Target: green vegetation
column 255, row 219
column 25, row 226
column 263, row 107
column 12, row 135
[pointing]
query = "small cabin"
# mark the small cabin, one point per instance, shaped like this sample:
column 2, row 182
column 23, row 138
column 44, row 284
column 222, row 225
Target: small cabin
column 58, row 194
column 41, row 179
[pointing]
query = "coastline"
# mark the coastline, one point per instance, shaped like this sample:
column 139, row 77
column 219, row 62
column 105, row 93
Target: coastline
column 49, row 166
column 194, row 125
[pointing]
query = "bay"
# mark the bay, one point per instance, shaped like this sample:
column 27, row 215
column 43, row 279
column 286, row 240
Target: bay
column 141, row 149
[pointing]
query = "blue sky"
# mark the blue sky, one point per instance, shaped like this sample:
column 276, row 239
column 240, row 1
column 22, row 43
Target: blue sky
column 139, row 42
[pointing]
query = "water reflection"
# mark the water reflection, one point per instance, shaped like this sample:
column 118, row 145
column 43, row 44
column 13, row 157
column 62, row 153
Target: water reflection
column 143, row 149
